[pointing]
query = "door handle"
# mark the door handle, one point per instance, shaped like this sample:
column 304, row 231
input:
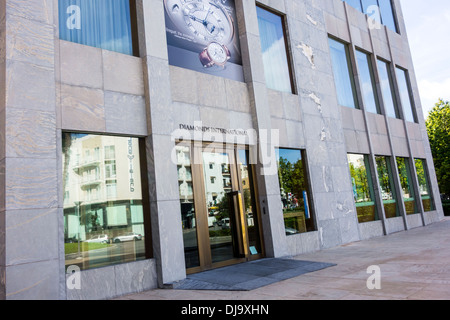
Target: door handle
column 243, row 224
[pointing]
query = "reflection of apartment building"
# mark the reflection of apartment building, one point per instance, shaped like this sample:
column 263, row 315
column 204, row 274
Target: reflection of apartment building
column 87, row 85
column 95, row 188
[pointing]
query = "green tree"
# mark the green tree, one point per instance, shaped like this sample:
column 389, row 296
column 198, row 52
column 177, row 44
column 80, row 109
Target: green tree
column 438, row 127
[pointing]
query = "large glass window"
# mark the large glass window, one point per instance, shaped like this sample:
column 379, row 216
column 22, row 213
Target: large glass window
column 367, row 82
column 380, row 10
column 387, row 187
column 102, row 24
column 103, row 216
column 294, row 191
column 405, row 95
column 343, row 75
column 387, row 14
column 387, row 89
column 424, row 185
column 363, row 192
column 371, row 8
column 404, row 171
column 273, row 46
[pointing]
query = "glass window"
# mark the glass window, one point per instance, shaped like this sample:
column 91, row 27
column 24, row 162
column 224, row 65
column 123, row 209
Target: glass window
column 102, row 24
column 367, row 79
column 380, row 10
column 294, row 191
column 387, row 14
column 273, row 46
column 103, row 218
column 371, row 8
column 405, row 95
column 343, row 75
column 363, row 192
column 404, row 172
column 246, row 177
column 387, row 89
column 188, row 215
column 387, row 187
column 424, row 185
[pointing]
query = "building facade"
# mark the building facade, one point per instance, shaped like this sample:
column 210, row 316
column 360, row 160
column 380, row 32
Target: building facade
column 143, row 140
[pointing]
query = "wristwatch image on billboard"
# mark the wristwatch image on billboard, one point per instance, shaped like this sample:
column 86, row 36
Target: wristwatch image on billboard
column 201, row 36
column 215, row 54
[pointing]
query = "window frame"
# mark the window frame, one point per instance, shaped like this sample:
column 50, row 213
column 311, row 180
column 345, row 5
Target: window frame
column 351, row 65
column 407, row 83
column 370, row 184
column 133, row 29
column 145, row 201
column 287, row 46
column 309, row 194
column 373, row 82
column 393, row 9
column 392, row 87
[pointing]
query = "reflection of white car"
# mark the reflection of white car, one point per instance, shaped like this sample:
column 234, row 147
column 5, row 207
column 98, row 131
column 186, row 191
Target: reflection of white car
column 103, row 238
column 128, row 237
column 290, row 231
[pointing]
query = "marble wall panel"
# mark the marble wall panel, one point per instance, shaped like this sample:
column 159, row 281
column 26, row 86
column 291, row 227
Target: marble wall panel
column 30, row 133
column 82, row 108
column 125, row 113
column 30, row 183
column 26, row 241
column 122, row 73
column 29, row 41
column 33, row 281
column 30, row 86
column 80, row 65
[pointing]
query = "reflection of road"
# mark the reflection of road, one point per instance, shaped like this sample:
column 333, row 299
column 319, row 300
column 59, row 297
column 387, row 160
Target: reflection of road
column 114, row 253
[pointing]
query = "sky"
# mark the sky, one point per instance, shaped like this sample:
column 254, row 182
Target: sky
column 428, row 29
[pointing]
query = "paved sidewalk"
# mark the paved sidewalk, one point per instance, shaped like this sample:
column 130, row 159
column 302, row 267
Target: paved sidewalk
column 414, row 265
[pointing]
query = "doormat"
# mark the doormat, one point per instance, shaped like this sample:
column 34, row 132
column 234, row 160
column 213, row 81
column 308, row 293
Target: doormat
column 249, row 276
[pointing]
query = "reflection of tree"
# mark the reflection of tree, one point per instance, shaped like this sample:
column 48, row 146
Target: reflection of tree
column 224, row 208
column 421, row 173
column 291, row 177
column 359, row 175
column 403, row 174
column 383, row 174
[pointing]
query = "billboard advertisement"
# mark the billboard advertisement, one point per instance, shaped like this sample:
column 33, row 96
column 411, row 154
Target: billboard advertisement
column 202, row 35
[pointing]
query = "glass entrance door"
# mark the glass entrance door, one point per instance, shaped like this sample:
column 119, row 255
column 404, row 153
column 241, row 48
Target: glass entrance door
column 218, row 207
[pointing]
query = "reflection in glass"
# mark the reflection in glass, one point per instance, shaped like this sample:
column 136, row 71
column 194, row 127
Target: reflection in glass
column 370, row 7
column 381, row 11
column 249, row 203
column 294, row 192
column 343, row 75
column 188, row 214
column 273, row 46
column 103, row 208
column 404, row 172
column 424, row 185
column 388, row 194
column 102, row 24
column 221, row 221
column 387, row 89
column 405, row 95
column 387, row 14
column 367, row 82
column 362, row 187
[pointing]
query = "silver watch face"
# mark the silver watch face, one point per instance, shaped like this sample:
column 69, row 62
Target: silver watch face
column 217, row 53
column 207, row 21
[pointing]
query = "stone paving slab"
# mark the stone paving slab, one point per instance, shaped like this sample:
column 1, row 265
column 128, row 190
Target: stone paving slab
column 414, row 265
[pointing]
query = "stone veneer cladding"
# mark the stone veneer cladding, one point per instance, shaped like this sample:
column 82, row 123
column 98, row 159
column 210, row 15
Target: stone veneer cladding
column 49, row 85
